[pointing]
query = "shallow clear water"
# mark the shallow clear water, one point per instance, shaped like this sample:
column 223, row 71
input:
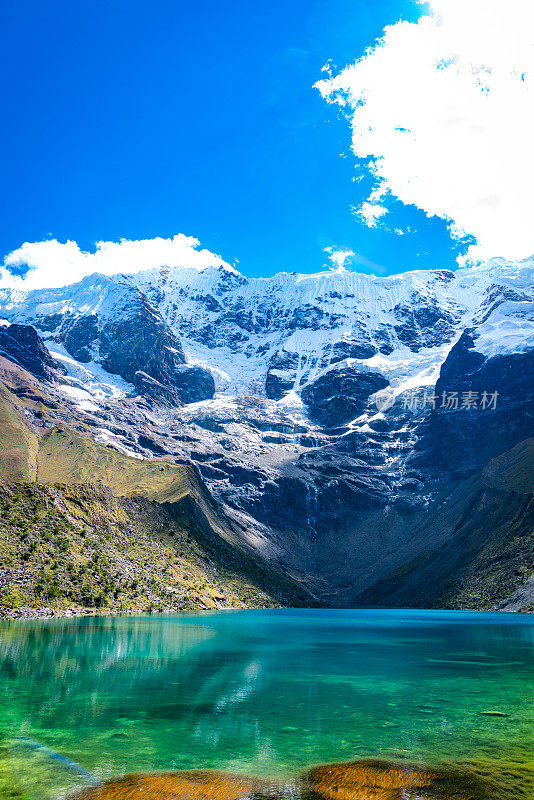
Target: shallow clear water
column 270, row 693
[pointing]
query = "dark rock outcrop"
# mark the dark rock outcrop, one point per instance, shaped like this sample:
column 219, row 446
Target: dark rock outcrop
column 22, row 345
column 193, row 384
column 351, row 349
column 154, row 390
column 462, row 439
column 341, row 394
column 277, row 384
column 185, row 385
column 80, row 336
column 281, row 374
column 143, row 342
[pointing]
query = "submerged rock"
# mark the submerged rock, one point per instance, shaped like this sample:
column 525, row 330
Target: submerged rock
column 384, row 780
column 194, row 785
column 493, row 714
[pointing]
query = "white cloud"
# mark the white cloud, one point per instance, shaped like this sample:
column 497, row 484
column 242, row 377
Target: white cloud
column 52, row 263
column 371, row 213
column 371, row 210
column 338, row 257
column 443, row 113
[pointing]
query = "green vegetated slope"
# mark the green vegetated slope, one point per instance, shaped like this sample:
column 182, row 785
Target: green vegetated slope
column 514, row 470
column 18, row 444
column 490, row 554
column 68, row 456
column 75, row 547
column 84, row 527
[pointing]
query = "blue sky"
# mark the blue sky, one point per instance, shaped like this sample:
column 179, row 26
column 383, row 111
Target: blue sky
column 134, row 119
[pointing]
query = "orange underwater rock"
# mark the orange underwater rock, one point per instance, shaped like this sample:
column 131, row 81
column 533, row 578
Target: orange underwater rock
column 194, row 785
column 357, row 780
column 382, row 780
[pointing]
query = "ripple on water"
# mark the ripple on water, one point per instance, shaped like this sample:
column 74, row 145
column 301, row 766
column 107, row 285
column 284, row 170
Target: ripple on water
column 269, row 694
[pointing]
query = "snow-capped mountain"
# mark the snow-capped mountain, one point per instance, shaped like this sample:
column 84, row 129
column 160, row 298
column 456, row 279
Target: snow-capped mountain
column 328, row 412
column 277, row 335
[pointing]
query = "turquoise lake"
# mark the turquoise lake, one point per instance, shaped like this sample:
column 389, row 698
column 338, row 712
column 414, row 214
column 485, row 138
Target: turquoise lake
column 266, row 693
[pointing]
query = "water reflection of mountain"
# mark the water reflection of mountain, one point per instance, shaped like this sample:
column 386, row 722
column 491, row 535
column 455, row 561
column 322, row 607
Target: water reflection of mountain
column 102, row 660
column 70, row 677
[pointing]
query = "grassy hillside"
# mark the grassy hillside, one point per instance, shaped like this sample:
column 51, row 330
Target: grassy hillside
column 61, row 454
column 514, row 470
column 18, row 444
column 79, row 547
column 69, row 457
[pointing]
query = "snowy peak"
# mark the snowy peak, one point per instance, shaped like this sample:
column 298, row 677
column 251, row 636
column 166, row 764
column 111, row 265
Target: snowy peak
column 106, row 297
column 288, row 329
column 281, row 333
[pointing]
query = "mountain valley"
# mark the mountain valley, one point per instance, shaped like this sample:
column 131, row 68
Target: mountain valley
column 349, row 432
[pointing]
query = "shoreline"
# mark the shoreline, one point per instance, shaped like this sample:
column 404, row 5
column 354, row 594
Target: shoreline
column 12, row 615
column 69, row 613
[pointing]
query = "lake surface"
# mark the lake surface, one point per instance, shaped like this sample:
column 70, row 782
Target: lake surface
column 266, row 693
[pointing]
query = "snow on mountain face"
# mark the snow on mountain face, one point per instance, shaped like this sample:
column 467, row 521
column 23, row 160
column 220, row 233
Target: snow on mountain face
column 509, row 328
column 276, row 336
column 108, row 323
column 109, row 298
column 285, row 331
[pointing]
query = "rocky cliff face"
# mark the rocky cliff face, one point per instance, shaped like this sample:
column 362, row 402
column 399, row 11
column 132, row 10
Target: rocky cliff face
column 111, row 323
column 22, row 345
column 331, row 414
column 495, row 406
column 485, row 558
